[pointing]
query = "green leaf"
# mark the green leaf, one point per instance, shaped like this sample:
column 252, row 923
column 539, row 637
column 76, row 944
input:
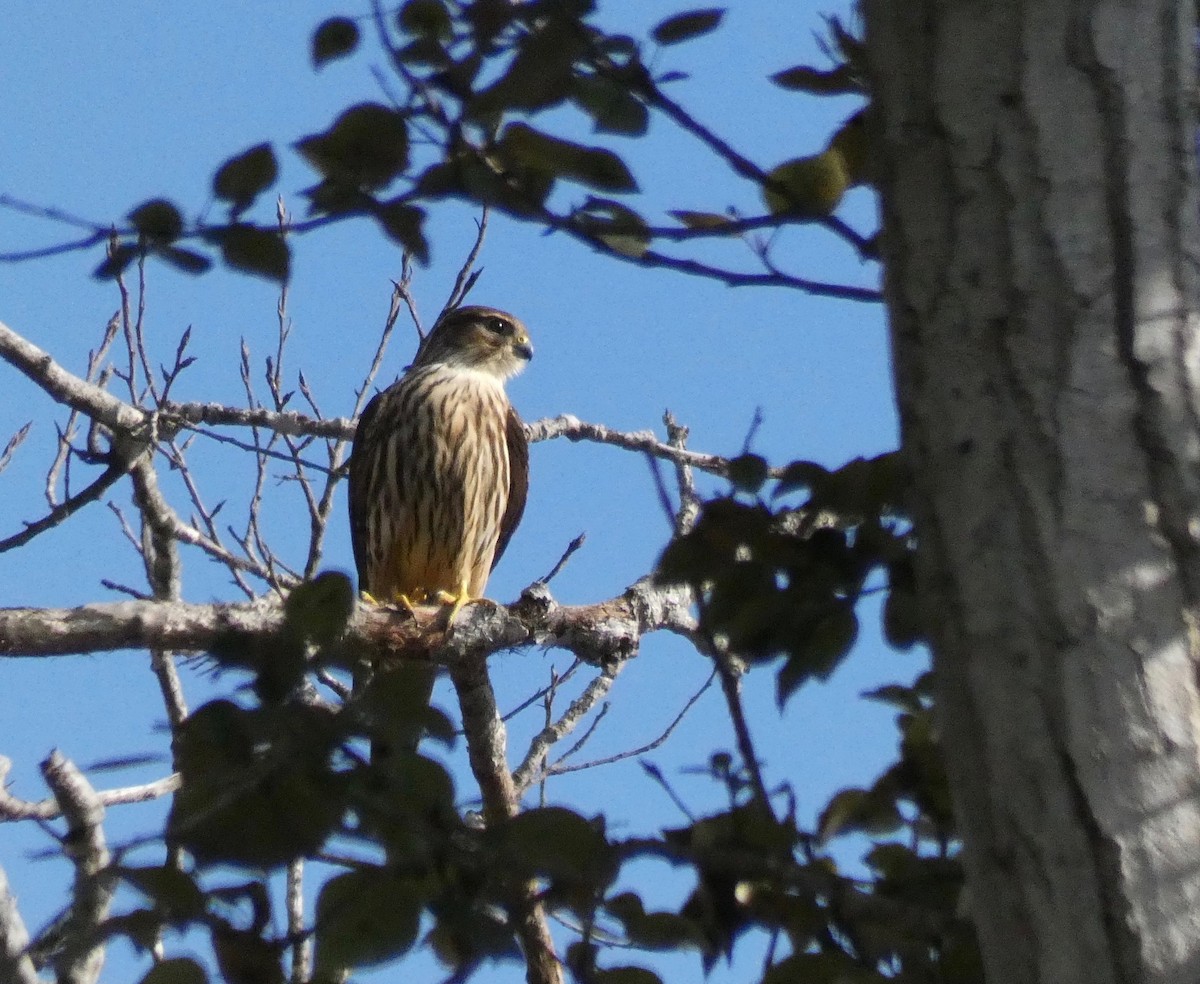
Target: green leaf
column 425, row 18
column 617, row 226
column 858, row 810
column 335, row 38
column 257, row 785
column 179, row 970
column 174, row 893
column 557, row 843
column 184, row 259
column 807, row 187
column 702, row 220
column 802, row 78
column 366, row 147
column 595, row 167
column 262, row 252
column 748, row 472
column 405, row 224
column 540, row 75
column 157, row 220
column 117, row 260
column 800, row 475
column 816, row 650
column 612, row 107
column 365, row 918
column 319, row 610
column 691, row 24
column 241, row 179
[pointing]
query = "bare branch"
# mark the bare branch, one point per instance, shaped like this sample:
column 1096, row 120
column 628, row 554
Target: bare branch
column 533, row 768
column 15, row 965
column 67, row 388
column 12, row 808
column 489, row 764
column 64, row 510
column 467, row 274
column 14, row 442
column 82, row 955
column 301, row 942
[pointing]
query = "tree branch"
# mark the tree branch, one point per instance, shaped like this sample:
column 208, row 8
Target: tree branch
column 82, row 955
column 15, row 965
column 598, row 633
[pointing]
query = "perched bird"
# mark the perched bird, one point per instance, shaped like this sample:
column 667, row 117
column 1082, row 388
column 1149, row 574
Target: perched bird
column 440, row 465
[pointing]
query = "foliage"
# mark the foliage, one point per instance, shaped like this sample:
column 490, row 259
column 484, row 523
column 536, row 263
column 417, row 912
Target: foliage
column 777, row 567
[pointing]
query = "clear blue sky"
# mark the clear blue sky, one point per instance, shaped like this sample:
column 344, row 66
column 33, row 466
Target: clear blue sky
column 108, row 105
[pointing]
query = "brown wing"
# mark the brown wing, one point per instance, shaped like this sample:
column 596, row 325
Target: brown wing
column 518, row 481
column 358, row 485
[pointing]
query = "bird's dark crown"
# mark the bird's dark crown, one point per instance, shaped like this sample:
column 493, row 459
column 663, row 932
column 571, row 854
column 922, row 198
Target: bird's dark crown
column 479, row 338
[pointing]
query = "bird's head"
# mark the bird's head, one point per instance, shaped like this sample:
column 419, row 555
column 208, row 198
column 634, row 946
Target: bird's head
column 478, row 338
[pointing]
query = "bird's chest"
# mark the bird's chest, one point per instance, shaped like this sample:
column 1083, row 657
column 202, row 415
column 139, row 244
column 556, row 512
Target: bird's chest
column 452, row 433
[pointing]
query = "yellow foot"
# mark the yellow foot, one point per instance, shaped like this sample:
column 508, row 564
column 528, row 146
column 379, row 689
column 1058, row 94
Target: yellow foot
column 455, row 601
column 406, row 603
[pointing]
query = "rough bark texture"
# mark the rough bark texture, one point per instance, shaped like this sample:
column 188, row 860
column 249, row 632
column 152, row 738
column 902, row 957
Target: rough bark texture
column 1040, row 218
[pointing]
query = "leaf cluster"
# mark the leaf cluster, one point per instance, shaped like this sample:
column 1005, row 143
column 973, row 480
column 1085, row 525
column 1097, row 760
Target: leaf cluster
column 779, row 577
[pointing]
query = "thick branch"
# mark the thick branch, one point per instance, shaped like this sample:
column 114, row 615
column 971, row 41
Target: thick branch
column 82, row 955
column 15, row 965
column 608, row 630
column 65, row 387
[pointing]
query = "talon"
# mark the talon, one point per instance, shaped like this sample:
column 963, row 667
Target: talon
column 404, row 602
column 455, row 601
column 367, row 598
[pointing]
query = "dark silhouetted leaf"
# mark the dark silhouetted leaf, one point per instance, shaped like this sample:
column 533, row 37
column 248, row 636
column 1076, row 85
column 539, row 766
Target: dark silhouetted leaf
column 426, row 18
column 335, row 38
column 540, row 75
column 691, row 24
column 174, row 893
column 702, row 220
column 405, row 224
column 748, row 472
column 179, row 970
column 259, row 251
column 612, row 107
column 318, row 610
column 364, row 918
column 244, row 957
column 241, row 179
column 800, row 475
column 624, row 975
column 158, row 221
column 595, row 167
column 619, row 227
column 556, row 842
column 815, row 651
column 184, row 259
column 257, row 786
column 837, row 81
column 858, row 810
column 117, row 260
column 367, row 147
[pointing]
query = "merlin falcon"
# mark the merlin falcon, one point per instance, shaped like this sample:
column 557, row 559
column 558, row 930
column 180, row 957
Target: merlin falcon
column 440, row 465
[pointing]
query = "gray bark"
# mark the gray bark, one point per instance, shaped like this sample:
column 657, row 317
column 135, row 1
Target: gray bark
column 1040, row 213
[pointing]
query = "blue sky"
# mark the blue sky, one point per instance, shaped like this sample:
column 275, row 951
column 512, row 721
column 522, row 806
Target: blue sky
column 108, row 105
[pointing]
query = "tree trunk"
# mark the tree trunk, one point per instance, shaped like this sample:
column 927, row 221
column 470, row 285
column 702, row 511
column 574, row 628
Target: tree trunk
column 1040, row 218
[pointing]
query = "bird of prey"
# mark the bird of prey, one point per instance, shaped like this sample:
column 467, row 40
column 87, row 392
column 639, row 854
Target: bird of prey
column 440, row 465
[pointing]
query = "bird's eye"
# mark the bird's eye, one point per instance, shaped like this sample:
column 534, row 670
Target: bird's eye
column 498, row 326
